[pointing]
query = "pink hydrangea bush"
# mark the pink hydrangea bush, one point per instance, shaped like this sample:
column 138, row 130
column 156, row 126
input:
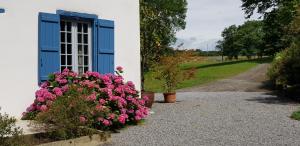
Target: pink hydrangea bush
column 114, row 103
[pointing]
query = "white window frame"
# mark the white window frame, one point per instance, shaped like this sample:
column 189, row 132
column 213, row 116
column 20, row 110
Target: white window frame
column 74, row 42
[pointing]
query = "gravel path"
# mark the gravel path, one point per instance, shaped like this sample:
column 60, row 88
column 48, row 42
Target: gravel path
column 250, row 81
column 216, row 118
column 206, row 115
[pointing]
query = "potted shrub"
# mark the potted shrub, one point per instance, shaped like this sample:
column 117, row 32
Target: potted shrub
column 169, row 72
column 150, row 96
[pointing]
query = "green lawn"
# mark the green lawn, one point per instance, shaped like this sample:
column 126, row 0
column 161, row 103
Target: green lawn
column 206, row 71
column 296, row 115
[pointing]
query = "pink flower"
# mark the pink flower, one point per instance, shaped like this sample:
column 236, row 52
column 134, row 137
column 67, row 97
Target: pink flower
column 61, row 80
column 99, row 107
column 82, row 119
column 43, row 108
column 113, row 101
column 131, row 111
column 72, row 74
column 119, row 89
column 118, row 80
column 65, row 88
column 146, row 98
column 66, row 70
column 111, row 86
column 111, row 116
column 106, row 122
column 106, row 79
column 120, row 69
column 142, row 102
column 99, row 119
column 92, row 97
column 137, row 118
column 123, row 111
column 91, row 74
column 122, row 119
column 57, row 91
column 102, row 101
column 31, row 108
column 44, row 84
column 40, row 99
column 130, row 84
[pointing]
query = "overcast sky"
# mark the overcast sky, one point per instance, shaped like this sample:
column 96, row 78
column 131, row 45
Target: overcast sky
column 206, row 19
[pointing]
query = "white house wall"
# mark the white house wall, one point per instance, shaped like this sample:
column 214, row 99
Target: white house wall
column 19, row 43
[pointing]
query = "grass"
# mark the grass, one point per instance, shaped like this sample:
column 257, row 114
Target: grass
column 206, row 71
column 296, row 115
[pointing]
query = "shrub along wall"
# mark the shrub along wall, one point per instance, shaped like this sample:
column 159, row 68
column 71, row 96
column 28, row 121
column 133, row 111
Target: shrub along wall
column 76, row 105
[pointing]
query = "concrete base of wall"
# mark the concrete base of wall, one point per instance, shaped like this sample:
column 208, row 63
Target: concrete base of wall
column 94, row 140
column 30, row 129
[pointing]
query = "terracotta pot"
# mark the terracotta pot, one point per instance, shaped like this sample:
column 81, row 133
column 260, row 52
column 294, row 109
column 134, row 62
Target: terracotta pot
column 150, row 96
column 170, row 97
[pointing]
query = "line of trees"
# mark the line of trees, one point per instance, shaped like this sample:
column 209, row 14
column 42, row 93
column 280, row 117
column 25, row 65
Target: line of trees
column 266, row 37
column 281, row 27
column 246, row 40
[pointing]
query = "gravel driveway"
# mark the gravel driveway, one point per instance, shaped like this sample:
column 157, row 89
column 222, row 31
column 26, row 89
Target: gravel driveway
column 245, row 114
column 216, row 118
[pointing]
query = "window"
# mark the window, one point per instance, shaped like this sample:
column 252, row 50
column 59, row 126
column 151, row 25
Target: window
column 78, row 41
column 75, row 46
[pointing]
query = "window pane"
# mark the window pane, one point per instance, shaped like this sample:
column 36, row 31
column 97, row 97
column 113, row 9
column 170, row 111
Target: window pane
column 62, row 26
column 86, row 60
column 86, row 49
column 69, row 37
column 80, row 60
column 79, row 27
column 63, row 49
column 85, row 38
column 80, row 49
column 69, row 49
column 69, row 26
column 70, row 67
column 62, row 68
column 63, row 60
column 62, row 37
column 79, row 38
column 69, row 60
column 85, row 26
column 86, row 69
column 80, row 70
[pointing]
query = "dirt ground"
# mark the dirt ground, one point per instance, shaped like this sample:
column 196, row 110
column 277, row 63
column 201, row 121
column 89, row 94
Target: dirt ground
column 254, row 80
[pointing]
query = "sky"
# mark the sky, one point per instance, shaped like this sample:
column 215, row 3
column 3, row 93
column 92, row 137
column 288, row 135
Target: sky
column 206, row 19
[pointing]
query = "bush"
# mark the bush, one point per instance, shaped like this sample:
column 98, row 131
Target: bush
column 73, row 104
column 296, row 115
column 285, row 69
column 10, row 135
column 168, row 70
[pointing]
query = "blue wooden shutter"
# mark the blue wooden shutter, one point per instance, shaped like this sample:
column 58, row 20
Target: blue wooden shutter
column 105, row 46
column 49, row 45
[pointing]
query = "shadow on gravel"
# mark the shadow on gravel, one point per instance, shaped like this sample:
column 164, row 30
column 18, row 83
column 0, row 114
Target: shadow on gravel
column 267, row 85
column 275, row 98
column 177, row 101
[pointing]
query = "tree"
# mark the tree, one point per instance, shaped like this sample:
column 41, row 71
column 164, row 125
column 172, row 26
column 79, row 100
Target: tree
column 159, row 22
column 277, row 14
column 246, row 39
column 250, row 37
column 229, row 43
column 220, row 47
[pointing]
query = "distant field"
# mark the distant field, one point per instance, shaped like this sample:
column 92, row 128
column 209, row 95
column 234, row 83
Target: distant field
column 208, row 69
